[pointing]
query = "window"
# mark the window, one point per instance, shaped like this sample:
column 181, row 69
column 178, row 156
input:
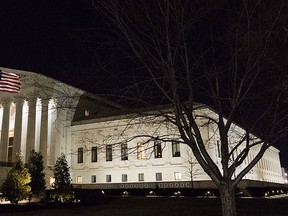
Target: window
column 176, row 149
column 158, row 176
column 94, row 154
column 124, row 151
column 124, row 178
column 80, row 155
column 177, row 175
column 10, row 149
column 157, row 149
column 108, row 178
column 141, row 177
column 109, row 153
column 93, row 178
column 79, row 179
column 140, row 151
column 218, row 149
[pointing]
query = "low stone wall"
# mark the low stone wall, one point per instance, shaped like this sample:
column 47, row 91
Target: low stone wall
column 149, row 185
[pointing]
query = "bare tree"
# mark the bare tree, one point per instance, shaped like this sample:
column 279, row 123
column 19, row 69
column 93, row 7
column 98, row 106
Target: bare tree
column 229, row 55
column 193, row 170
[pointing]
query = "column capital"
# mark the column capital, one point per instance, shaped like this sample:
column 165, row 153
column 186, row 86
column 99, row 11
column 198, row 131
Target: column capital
column 6, row 101
column 31, row 100
column 19, row 100
column 44, row 102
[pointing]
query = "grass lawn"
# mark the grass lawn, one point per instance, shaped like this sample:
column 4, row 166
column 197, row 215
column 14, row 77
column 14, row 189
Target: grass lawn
column 141, row 206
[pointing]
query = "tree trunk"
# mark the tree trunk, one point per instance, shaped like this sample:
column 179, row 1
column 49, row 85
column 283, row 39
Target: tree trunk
column 227, row 194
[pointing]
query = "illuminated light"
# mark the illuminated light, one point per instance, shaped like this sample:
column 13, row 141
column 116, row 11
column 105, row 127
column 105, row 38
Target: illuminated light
column 124, row 193
column 52, row 181
column 140, row 151
column 79, row 179
column 87, row 112
column 102, row 192
column 52, row 104
column 177, row 193
column 177, row 176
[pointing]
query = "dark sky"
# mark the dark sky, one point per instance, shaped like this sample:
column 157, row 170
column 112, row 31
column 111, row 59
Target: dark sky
column 57, row 39
column 46, row 37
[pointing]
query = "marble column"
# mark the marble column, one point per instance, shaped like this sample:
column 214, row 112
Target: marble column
column 54, row 133
column 44, row 130
column 17, row 129
column 30, row 143
column 5, row 131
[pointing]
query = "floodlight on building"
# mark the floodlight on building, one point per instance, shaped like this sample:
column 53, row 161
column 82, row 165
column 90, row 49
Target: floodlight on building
column 52, row 181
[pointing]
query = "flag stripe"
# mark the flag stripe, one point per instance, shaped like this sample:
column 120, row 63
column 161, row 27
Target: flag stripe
column 9, row 82
column 4, row 82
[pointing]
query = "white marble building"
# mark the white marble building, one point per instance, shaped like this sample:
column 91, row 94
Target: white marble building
column 118, row 152
column 39, row 117
column 105, row 149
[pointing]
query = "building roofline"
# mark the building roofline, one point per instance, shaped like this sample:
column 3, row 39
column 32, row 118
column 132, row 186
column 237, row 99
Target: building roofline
column 93, row 96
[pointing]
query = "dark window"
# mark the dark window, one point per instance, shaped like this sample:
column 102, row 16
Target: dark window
column 124, row 151
column 158, row 176
column 124, row 178
column 93, row 178
column 108, row 178
column 157, row 149
column 141, row 176
column 109, row 153
column 10, row 149
column 94, row 154
column 80, row 155
column 176, row 149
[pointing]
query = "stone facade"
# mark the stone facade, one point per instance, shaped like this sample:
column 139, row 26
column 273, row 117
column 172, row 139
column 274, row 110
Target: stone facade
column 134, row 157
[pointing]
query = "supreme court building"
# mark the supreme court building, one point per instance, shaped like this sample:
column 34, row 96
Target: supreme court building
column 52, row 117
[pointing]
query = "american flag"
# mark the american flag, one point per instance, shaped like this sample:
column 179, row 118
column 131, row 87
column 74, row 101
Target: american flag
column 9, row 82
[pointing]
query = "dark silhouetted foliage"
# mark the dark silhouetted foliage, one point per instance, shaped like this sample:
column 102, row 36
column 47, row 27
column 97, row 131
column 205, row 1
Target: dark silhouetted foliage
column 36, row 170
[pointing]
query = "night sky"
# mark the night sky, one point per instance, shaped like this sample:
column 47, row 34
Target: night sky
column 64, row 40
column 47, row 37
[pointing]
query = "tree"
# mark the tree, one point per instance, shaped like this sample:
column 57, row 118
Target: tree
column 193, row 170
column 16, row 184
column 36, row 170
column 218, row 52
column 63, row 186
